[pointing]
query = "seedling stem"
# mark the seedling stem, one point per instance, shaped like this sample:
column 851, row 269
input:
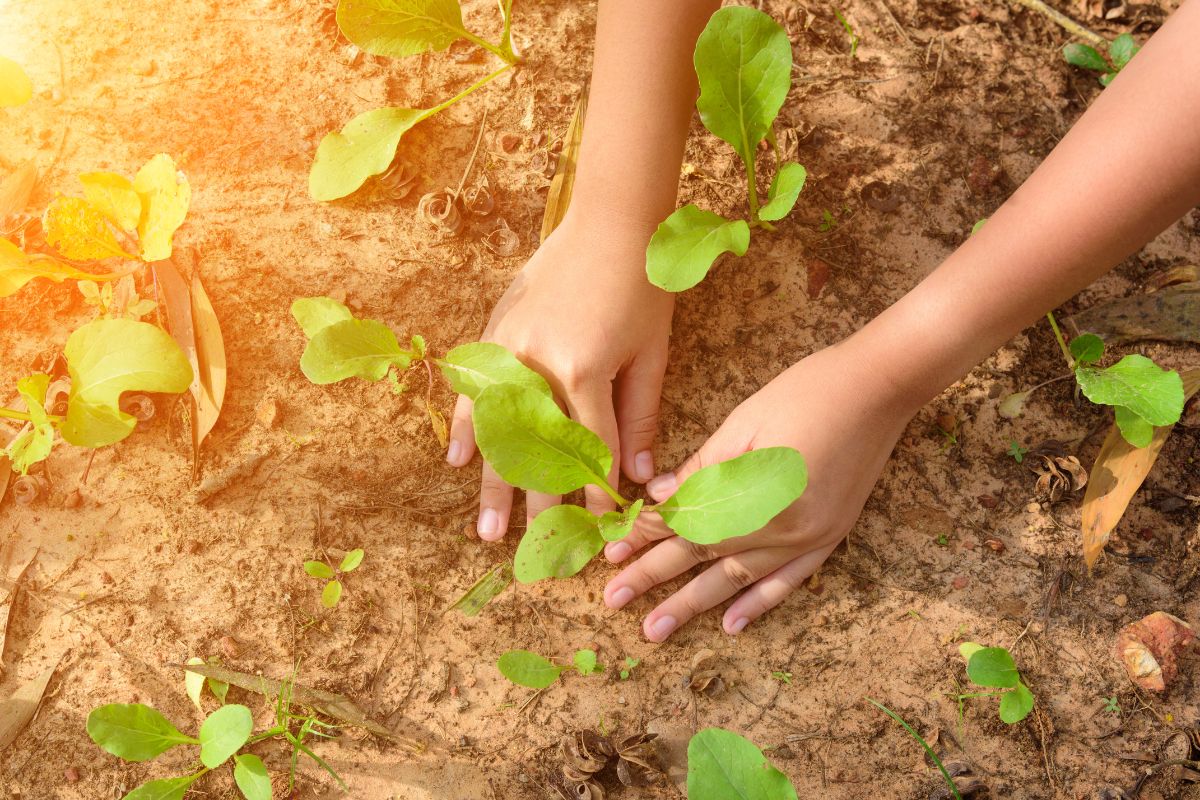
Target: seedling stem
column 1062, row 343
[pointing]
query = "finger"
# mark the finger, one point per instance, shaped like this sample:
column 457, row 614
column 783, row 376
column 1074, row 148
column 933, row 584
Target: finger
column 462, row 434
column 536, row 503
column 637, row 398
column 592, row 407
column 772, row 589
column 721, row 446
column 669, row 559
column 648, row 528
column 718, row 583
column 495, row 505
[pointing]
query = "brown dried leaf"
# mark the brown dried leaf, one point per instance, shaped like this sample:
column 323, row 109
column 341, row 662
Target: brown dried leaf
column 1150, row 648
column 1116, row 476
column 5, row 477
column 503, row 240
column 563, row 182
column 437, row 421
column 18, row 710
column 478, row 199
column 16, row 189
column 12, row 583
column 440, row 209
column 1169, row 277
column 1171, row 315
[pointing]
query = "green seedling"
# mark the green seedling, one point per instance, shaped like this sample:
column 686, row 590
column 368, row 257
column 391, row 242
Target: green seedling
column 535, row 672
column 366, row 146
column 627, row 670
column 782, row 676
column 828, row 221
column 1017, row 451
column 994, row 668
column 929, row 751
column 723, row 765
column 1111, row 705
column 942, row 540
column 743, row 60
column 529, row 441
column 849, row 31
column 1120, row 52
column 331, row 592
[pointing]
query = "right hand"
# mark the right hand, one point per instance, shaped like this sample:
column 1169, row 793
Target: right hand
column 583, row 314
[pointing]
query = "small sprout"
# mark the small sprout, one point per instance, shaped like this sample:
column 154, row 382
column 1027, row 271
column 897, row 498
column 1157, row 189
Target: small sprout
column 782, row 676
column 942, row 540
column 1121, row 52
column 627, row 670
column 1017, row 451
column 994, row 668
column 331, row 592
column 849, row 32
column 828, row 221
column 1111, row 705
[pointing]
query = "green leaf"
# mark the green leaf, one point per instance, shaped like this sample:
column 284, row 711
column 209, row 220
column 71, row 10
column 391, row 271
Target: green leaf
column 559, row 542
column 725, row 766
column 417, row 343
column 351, row 560
column 1081, row 55
column 1016, row 705
column 992, row 667
column 250, row 775
column 318, row 569
column 968, row 649
column 1122, row 50
column 533, row 445
column 352, row 348
column 223, row 734
column 15, row 87
column 528, row 669
column 1107, row 78
column 365, row 147
column 616, row 525
column 33, row 445
column 785, row 190
column 331, row 594
column 133, row 732
column 473, row 367
column 193, row 682
column 399, row 28
column 744, row 63
column 220, row 689
column 685, row 245
column 164, row 789
column 978, row 226
column 317, row 313
column 585, row 662
column 1136, row 382
column 1087, row 348
column 484, row 590
column 1136, row 430
column 107, row 357
column 735, row 497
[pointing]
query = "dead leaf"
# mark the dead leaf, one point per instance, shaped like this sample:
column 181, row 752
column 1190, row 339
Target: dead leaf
column 331, row 704
column 1169, row 277
column 1012, row 405
column 1150, row 648
column 16, row 189
column 563, row 182
column 17, row 711
column 79, row 231
column 1171, row 315
column 1119, row 471
column 12, row 582
column 493, row 582
column 5, row 476
column 438, row 422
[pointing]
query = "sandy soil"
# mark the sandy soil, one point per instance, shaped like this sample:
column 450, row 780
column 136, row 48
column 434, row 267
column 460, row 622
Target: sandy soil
column 950, row 103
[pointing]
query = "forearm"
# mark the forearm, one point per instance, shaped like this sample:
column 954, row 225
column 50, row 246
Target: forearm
column 1128, row 169
column 641, row 101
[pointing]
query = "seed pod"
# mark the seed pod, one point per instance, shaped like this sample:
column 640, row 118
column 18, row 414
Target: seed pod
column 502, row 241
column 440, row 209
column 399, row 180
column 478, row 199
column 540, row 163
column 28, row 488
column 509, row 142
column 141, row 406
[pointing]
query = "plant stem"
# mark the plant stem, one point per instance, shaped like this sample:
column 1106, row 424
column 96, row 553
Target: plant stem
column 23, row 416
column 929, row 750
column 1066, row 351
column 509, row 57
column 751, row 187
column 614, row 494
column 477, row 85
column 1068, row 24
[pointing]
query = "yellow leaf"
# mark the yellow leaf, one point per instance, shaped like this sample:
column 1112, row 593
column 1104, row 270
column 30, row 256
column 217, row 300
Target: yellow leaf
column 75, row 228
column 15, row 86
column 563, row 182
column 165, row 197
column 1116, row 476
column 18, row 269
column 113, row 196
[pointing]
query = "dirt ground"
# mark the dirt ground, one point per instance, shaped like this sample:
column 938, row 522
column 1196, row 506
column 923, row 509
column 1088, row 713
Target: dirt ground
column 950, row 104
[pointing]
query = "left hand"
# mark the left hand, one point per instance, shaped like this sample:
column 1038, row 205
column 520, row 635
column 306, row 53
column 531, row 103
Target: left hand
column 840, row 415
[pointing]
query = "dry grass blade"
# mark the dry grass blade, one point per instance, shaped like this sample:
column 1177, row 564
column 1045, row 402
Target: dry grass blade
column 17, row 711
column 12, row 581
column 1116, row 476
column 5, row 476
column 16, row 189
column 563, row 182
column 330, row 704
column 210, row 353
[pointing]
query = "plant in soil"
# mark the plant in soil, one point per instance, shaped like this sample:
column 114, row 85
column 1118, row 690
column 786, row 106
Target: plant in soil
column 929, row 751
column 331, row 590
column 533, row 445
column 744, row 62
column 994, row 668
column 528, row 669
column 1120, row 52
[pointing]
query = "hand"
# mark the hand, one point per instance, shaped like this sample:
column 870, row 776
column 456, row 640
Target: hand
column 836, row 411
column 582, row 313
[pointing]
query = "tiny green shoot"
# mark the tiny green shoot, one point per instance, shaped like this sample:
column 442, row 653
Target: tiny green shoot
column 1111, row 705
column 627, row 670
column 782, row 676
column 1120, row 52
column 1017, row 451
column 331, row 590
column 929, row 751
column 849, row 31
column 994, row 668
column 533, row 671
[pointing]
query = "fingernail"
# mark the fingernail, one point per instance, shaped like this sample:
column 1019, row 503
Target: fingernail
column 454, row 453
column 643, row 465
column 620, row 597
column 661, row 628
column 489, row 524
column 738, row 626
column 618, row 551
column 662, row 486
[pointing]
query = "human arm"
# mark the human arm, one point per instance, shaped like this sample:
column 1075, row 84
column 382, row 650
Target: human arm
column 581, row 311
column 1128, row 169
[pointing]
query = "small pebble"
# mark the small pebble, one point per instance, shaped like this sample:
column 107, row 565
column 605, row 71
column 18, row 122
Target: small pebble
column 995, row 544
column 960, row 582
column 228, row 647
column 1121, row 600
column 1034, row 507
column 621, row 700
column 71, row 775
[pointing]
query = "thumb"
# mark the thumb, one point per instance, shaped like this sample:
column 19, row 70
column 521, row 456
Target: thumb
column 637, row 399
column 721, row 446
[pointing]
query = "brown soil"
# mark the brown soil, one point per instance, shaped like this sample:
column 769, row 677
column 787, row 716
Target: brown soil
column 950, row 103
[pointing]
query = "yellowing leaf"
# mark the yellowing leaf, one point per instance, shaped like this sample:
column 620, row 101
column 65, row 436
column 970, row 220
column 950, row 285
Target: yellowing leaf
column 113, row 196
column 1116, row 476
column 15, row 86
column 78, row 230
column 165, row 195
column 18, row 269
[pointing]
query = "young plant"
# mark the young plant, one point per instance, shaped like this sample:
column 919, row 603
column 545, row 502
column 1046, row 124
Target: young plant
column 1016, row 451
column 1112, row 705
column 533, row 445
column 535, row 672
column 1120, row 52
column 744, row 62
column 782, row 676
column 627, row 670
column 929, row 751
column 994, row 668
column 366, row 146
column 723, row 765
column 331, row 592
column 850, row 34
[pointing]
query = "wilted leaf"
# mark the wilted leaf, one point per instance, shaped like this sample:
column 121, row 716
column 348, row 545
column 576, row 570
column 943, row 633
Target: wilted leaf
column 437, row 421
column 77, row 230
column 18, row 710
column 1116, row 476
column 1012, row 405
column 193, row 683
column 558, row 198
column 1171, row 314
column 5, row 476
column 493, row 582
column 165, row 196
column 16, row 189
column 685, row 245
column 114, row 197
column 15, row 87
column 12, row 580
